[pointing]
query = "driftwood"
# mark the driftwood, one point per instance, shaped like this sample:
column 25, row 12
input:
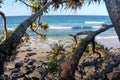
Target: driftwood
column 69, row 72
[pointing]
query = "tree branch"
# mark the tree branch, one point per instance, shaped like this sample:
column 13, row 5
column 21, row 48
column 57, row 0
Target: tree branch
column 27, row 4
column 78, row 52
column 4, row 24
column 10, row 44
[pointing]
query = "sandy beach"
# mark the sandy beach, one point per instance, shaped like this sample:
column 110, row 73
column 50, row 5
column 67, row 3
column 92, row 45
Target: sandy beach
column 31, row 58
column 34, row 45
column 109, row 42
column 41, row 48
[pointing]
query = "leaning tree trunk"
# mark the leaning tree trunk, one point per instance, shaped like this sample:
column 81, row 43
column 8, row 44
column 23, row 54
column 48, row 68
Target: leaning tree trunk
column 4, row 24
column 69, row 68
column 113, row 7
column 11, row 42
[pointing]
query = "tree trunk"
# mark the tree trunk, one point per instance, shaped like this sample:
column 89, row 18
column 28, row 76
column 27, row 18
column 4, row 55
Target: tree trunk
column 4, row 24
column 11, row 42
column 69, row 71
column 113, row 7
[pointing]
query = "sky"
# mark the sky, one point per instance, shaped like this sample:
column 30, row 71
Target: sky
column 11, row 8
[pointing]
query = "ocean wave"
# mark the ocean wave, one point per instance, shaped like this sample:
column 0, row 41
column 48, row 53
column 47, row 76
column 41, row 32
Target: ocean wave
column 94, row 22
column 60, row 27
column 11, row 28
column 75, row 27
column 96, row 27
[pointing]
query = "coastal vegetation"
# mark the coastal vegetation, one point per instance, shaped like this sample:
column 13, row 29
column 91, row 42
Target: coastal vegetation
column 58, row 65
column 4, row 24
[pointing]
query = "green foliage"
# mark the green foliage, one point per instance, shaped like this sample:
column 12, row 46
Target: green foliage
column 44, row 28
column 1, row 1
column 74, row 4
column 89, row 48
column 67, row 56
column 2, row 33
column 100, row 48
column 36, row 5
column 57, row 52
column 44, row 25
column 103, row 50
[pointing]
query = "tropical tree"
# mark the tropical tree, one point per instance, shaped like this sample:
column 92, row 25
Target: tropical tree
column 37, row 26
column 4, row 22
column 113, row 7
column 11, row 42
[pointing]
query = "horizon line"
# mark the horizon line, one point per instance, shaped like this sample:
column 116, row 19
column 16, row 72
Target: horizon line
column 60, row 15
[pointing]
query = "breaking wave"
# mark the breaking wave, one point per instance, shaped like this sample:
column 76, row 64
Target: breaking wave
column 74, row 27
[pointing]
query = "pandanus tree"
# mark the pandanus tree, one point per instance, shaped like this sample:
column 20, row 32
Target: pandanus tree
column 113, row 7
column 4, row 22
column 11, row 42
column 37, row 26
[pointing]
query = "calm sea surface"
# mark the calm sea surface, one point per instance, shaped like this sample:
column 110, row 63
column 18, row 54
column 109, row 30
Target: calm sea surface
column 63, row 25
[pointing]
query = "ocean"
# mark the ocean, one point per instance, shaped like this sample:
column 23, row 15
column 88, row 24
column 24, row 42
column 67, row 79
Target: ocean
column 62, row 25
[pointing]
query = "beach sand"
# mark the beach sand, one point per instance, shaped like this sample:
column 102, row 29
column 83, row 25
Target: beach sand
column 109, row 42
column 41, row 48
column 34, row 52
column 34, row 45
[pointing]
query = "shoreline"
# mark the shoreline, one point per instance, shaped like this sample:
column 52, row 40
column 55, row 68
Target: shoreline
column 34, row 45
column 34, row 52
column 107, row 41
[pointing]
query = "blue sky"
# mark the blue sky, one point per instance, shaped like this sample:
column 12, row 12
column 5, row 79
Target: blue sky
column 10, row 8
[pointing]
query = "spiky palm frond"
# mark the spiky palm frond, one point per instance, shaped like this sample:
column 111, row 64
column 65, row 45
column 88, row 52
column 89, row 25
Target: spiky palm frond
column 73, row 4
column 56, row 3
column 1, row 1
column 92, row 1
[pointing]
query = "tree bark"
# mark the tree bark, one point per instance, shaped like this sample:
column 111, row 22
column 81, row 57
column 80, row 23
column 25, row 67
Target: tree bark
column 68, row 72
column 113, row 7
column 11, row 42
column 4, row 24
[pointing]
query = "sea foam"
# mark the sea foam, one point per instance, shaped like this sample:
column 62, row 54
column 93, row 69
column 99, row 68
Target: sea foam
column 74, row 27
column 94, row 22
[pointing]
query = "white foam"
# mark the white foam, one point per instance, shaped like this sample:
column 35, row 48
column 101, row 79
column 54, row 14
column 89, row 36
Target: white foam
column 96, row 27
column 52, row 27
column 94, row 22
column 11, row 28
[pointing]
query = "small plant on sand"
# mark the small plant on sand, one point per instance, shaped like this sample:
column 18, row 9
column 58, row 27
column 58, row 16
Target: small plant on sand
column 99, row 49
column 104, row 51
column 54, row 55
